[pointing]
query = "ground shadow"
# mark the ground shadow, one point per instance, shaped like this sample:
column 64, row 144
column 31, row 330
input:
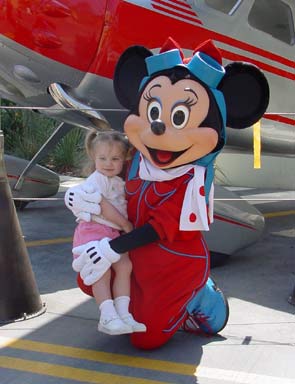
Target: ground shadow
column 72, row 329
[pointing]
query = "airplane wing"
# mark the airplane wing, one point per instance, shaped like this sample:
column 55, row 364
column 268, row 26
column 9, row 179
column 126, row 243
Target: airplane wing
column 59, row 58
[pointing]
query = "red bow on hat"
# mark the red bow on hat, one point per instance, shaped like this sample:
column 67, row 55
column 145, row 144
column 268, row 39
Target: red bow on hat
column 206, row 47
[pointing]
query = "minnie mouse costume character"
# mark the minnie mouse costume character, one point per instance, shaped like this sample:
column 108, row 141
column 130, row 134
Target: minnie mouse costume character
column 179, row 109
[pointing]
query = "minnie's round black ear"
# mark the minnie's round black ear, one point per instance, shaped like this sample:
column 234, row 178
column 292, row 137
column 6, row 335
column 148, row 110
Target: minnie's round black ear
column 246, row 93
column 129, row 72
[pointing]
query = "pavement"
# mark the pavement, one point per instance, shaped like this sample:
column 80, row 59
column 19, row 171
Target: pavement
column 63, row 346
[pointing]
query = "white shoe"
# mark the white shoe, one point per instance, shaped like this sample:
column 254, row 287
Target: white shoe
column 114, row 326
column 136, row 327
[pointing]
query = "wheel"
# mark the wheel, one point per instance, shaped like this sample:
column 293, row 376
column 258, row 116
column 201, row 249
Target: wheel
column 218, row 259
column 20, row 204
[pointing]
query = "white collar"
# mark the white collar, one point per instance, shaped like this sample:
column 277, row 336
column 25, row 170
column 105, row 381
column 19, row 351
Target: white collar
column 193, row 215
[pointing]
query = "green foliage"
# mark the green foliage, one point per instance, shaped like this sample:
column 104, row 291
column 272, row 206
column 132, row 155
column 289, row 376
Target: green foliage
column 11, row 123
column 26, row 131
column 69, row 153
column 31, row 135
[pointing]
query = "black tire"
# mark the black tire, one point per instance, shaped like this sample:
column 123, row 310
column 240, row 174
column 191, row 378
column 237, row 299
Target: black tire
column 20, row 204
column 218, row 259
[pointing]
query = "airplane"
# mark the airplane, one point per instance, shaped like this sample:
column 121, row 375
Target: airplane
column 58, row 58
column 41, row 182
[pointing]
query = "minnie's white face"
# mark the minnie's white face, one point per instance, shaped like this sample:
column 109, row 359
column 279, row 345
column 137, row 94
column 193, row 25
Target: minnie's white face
column 167, row 131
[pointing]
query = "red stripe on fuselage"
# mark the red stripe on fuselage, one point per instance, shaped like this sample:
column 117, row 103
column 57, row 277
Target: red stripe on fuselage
column 251, row 48
column 266, row 67
column 230, row 221
column 188, row 11
column 279, row 118
column 28, row 179
column 196, row 20
column 182, row 3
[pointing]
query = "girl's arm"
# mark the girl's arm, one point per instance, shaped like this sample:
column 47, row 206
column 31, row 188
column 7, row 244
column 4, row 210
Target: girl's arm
column 112, row 214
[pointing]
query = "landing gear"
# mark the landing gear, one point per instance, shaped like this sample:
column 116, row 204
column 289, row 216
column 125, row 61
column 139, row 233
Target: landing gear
column 218, row 259
column 20, row 204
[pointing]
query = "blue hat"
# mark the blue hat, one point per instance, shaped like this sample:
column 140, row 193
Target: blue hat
column 202, row 66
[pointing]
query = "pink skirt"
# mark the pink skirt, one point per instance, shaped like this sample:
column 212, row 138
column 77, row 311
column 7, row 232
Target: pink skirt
column 91, row 231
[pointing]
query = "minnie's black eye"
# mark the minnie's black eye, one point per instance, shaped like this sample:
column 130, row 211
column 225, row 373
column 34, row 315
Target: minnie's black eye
column 154, row 111
column 180, row 116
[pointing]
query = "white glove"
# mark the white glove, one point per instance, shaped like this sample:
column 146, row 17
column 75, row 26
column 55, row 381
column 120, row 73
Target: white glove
column 85, row 216
column 83, row 201
column 94, row 259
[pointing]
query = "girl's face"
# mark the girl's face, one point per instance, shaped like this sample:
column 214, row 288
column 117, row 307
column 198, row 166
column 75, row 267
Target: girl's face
column 109, row 158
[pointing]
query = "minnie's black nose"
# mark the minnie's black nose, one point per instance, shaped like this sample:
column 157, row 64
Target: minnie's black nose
column 158, row 127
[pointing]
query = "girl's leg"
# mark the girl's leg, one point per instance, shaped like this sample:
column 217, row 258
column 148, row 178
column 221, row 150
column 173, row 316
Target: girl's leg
column 121, row 283
column 109, row 321
column 101, row 289
column 121, row 292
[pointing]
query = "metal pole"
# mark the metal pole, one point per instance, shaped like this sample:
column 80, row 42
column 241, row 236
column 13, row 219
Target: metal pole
column 19, row 295
column 50, row 143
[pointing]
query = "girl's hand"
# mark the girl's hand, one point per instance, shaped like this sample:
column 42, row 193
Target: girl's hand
column 128, row 227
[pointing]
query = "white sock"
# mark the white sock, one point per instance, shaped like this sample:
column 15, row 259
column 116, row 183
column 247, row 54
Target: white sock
column 107, row 309
column 122, row 305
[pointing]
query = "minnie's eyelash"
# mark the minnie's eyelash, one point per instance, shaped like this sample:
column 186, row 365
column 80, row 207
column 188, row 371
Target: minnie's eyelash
column 190, row 102
column 147, row 96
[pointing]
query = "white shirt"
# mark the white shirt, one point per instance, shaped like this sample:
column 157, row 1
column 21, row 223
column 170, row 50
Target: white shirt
column 113, row 190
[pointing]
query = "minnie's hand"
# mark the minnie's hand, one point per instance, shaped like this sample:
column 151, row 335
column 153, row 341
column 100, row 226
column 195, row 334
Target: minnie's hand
column 94, row 259
column 83, row 200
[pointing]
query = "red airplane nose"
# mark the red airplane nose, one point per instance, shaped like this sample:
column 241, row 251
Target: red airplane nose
column 66, row 31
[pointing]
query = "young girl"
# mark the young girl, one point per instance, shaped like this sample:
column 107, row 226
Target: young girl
column 108, row 151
